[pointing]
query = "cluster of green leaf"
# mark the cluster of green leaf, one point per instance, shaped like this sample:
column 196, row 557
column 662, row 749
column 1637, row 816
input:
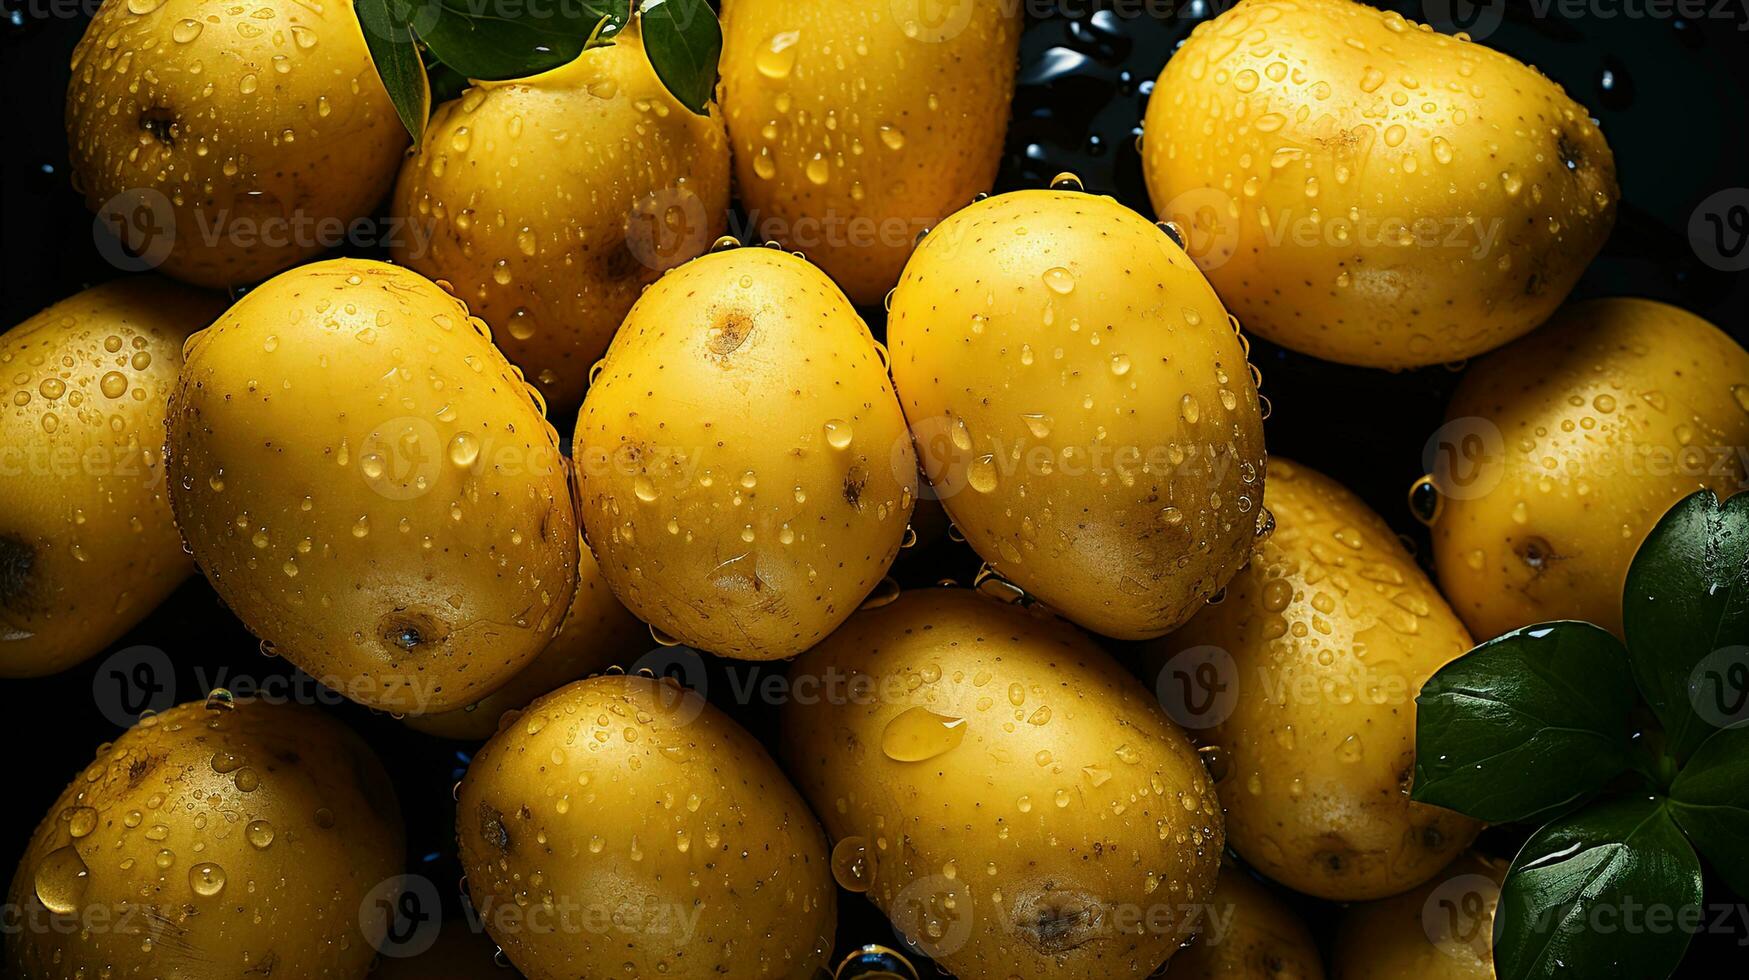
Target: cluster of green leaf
column 1631, row 757
column 426, row 49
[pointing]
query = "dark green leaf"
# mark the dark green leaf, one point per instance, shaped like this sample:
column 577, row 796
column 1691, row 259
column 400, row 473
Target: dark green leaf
column 1686, row 603
column 683, row 39
column 396, row 55
column 1710, row 801
column 1531, row 720
column 1611, row 891
column 446, row 82
column 500, row 39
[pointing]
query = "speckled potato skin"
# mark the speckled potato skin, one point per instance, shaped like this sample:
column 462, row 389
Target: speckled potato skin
column 267, row 130
column 217, row 843
column 715, row 492
column 1431, row 933
column 598, row 632
column 1082, row 405
column 1066, row 833
column 858, row 124
column 1606, row 418
column 623, row 792
column 371, row 488
column 87, row 547
column 1332, row 630
column 1365, row 190
column 549, row 202
column 1257, row 937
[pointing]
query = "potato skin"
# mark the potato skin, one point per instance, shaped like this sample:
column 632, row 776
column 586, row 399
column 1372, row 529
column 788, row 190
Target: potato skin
column 1259, row 937
column 857, row 124
column 1365, row 190
column 267, row 131
column 87, row 547
column 1332, row 629
column 371, row 488
column 550, row 201
column 624, row 792
column 745, row 470
column 1605, row 419
column 1058, row 744
column 216, row 843
column 1083, row 406
column 1428, row 933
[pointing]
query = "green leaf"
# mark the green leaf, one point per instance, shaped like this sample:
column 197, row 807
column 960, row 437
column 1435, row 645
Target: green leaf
column 500, row 39
column 1710, row 801
column 389, row 37
column 1601, row 893
column 1686, row 603
column 683, row 40
column 1532, row 720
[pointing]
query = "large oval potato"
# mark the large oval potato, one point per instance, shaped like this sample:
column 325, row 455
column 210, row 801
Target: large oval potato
column 550, row 201
column 857, row 124
column 1002, row 789
column 1562, row 451
column 621, row 826
column 87, row 547
column 1443, row 930
column 1247, row 933
column 214, row 841
column 229, row 141
column 745, row 472
column 371, row 487
column 1082, row 405
column 1363, row 189
column 1317, row 654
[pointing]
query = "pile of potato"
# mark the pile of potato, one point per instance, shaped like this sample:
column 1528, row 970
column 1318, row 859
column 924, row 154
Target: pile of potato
column 364, row 460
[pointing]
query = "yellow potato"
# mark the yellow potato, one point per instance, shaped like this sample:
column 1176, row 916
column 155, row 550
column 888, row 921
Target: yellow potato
column 1249, row 934
column 597, row 633
column 1082, row 405
column 1563, row 450
column 232, row 140
column 371, row 487
column 87, row 547
column 746, row 477
column 214, row 841
column 1363, row 189
column 1011, row 798
column 857, row 124
column 621, row 826
column 550, row 201
column 1317, row 654
column 1443, row 930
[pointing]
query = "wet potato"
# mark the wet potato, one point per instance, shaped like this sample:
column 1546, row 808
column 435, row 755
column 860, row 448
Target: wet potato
column 1248, row 933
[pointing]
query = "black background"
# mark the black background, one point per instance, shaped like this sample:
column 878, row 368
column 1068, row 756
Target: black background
column 1674, row 111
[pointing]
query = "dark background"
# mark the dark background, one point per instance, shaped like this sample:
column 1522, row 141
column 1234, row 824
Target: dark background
column 1672, row 96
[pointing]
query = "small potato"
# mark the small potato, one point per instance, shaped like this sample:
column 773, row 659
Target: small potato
column 621, row 826
column 1443, row 930
column 1563, row 450
column 996, row 784
column 746, row 475
column 1304, row 680
column 1248, row 933
column 371, row 487
column 216, row 841
column 87, row 547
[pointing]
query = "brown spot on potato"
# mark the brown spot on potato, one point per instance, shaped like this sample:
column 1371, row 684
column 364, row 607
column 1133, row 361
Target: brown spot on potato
column 854, row 482
column 729, row 331
column 493, row 830
column 17, row 558
column 161, row 123
column 1536, row 553
column 1057, row 922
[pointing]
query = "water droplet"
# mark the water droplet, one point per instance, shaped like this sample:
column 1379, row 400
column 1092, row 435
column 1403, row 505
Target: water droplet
column 850, row 864
column 916, row 734
column 61, row 879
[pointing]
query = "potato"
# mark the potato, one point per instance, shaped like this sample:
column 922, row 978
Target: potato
column 857, row 124
column 1002, row 789
column 1443, row 930
column 243, row 138
column 87, row 547
column 1363, row 189
column 746, row 477
column 597, row 633
column 1061, row 359
column 1563, row 450
column 1317, row 653
column 370, row 486
column 551, row 201
column 1249, row 934
column 621, row 826
column 217, row 840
